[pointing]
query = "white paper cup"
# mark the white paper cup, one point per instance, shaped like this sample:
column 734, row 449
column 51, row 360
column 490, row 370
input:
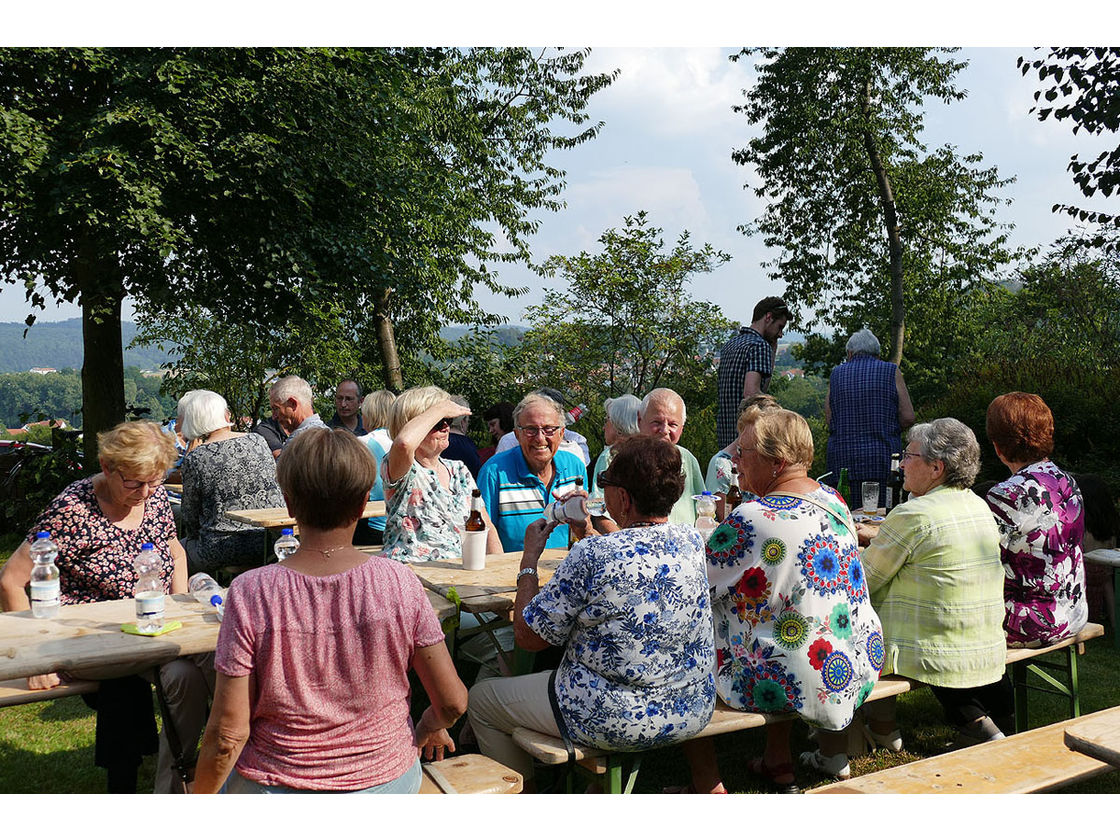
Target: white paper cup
column 474, row 550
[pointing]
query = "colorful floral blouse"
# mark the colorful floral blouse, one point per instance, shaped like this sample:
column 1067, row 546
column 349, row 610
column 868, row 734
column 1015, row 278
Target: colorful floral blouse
column 794, row 629
column 631, row 610
column 94, row 555
column 1041, row 525
column 423, row 521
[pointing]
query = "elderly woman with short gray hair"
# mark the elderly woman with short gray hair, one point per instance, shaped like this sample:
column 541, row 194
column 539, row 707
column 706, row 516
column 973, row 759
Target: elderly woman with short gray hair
column 621, row 422
column 222, row 470
column 934, row 572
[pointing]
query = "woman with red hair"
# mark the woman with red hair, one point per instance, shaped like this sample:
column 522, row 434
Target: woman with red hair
column 1041, row 523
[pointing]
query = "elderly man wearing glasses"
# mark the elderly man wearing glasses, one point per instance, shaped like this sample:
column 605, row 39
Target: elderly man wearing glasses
column 518, row 483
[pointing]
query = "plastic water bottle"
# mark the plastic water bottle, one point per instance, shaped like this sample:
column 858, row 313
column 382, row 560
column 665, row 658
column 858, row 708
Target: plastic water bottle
column 205, row 589
column 286, row 545
column 705, row 514
column 149, row 590
column 44, row 577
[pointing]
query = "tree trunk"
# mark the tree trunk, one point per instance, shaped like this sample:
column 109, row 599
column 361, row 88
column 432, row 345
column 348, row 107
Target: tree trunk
column 894, row 239
column 102, row 357
column 387, row 343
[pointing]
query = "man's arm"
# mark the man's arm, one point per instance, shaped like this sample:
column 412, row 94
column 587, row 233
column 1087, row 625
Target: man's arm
column 752, row 383
column 905, row 407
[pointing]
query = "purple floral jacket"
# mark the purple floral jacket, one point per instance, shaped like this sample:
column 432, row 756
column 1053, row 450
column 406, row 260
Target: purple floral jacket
column 1041, row 524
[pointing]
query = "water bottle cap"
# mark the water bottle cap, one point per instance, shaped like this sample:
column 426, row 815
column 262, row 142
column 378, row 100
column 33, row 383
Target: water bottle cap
column 43, row 535
column 147, row 547
column 286, row 532
column 215, row 600
column 706, row 493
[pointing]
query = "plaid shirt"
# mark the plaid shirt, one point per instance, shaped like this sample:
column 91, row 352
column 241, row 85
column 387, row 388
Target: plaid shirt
column 745, row 352
column 864, row 428
column 936, row 581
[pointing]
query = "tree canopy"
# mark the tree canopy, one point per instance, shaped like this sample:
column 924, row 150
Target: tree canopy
column 869, row 224
column 258, row 183
column 1082, row 85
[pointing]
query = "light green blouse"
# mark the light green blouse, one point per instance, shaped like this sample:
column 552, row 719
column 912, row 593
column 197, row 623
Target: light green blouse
column 936, row 581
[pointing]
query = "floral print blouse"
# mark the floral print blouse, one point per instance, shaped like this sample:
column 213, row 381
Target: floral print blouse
column 94, row 555
column 1041, row 525
column 794, row 629
column 423, row 521
column 631, row 610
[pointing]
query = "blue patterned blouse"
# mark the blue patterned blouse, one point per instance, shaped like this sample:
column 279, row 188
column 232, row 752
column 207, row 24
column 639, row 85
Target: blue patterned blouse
column 632, row 611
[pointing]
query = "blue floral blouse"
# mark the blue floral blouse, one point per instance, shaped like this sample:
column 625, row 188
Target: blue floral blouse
column 794, row 629
column 632, row 611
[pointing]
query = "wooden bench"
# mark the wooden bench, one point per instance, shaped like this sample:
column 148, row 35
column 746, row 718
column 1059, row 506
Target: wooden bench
column 16, row 693
column 1028, row 762
column 621, row 769
column 1110, row 557
column 469, row 774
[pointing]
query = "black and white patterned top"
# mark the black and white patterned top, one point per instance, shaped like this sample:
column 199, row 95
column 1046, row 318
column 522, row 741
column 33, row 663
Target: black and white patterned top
column 234, row 474
column 743, row 352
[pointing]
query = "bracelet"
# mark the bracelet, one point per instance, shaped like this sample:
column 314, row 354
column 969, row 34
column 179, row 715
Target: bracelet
column 524, row 572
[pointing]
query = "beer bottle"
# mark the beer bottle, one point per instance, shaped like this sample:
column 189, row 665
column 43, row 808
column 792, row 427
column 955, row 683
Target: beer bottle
column 474, row 521
column 842, row 487
column 734, row 494
column 894, row 491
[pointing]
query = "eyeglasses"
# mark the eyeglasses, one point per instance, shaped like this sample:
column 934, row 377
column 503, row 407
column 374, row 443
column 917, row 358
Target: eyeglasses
column 908, row 454
column 740, row 450
column 533, row 431
column 445, row 423
column 605, row 481
column 136, row 484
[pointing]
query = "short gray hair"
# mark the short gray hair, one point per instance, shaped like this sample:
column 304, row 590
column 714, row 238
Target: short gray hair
column 462, row 423
column 292, row 386
column 952, row 442
column 864, row 341
column 623, row 413
column 202, row 412
column 663, row 395
column 537, row 397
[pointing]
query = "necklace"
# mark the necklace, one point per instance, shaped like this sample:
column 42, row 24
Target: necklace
column 327, row 552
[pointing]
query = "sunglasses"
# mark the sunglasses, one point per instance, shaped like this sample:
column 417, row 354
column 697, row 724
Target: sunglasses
column 606, row 481
column 445, row 423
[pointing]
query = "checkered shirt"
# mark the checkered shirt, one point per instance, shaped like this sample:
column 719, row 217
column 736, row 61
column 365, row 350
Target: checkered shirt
column 744, row 352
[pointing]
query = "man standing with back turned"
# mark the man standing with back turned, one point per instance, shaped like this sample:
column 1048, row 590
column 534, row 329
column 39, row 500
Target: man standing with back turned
column 746, row 363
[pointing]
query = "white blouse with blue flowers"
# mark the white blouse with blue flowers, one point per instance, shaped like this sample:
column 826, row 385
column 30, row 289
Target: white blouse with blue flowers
column 632, row 611
column 795, row 631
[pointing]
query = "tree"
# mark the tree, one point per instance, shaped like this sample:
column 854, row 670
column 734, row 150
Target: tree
column 1088, row 81
column 624, row 323
column 260, row 183
column 868, row 224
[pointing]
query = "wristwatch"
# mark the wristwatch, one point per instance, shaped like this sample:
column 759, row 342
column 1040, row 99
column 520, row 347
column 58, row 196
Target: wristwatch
column 524, row 572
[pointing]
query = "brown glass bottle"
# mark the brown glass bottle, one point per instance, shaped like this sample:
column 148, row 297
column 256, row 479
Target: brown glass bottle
column 475, row 521
column 734, row 494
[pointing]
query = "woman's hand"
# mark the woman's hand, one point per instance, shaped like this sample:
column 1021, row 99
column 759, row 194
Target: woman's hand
column 536, row 537
column 865, row 532
column 432, row 741
column 43, row 681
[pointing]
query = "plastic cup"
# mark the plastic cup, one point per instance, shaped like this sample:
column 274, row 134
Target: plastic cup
column 870, row 496
column 474, row 550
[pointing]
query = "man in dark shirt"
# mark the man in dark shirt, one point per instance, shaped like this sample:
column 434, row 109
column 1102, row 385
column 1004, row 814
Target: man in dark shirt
column 347, row 402
column 459, row 446
column 746, row 363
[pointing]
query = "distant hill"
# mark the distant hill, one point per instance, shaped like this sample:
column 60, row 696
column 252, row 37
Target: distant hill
column 58, row 344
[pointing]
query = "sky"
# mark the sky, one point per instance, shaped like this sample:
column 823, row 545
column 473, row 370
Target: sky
column 669, row 132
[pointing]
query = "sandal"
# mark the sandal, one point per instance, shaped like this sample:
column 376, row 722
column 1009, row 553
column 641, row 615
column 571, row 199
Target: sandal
column 891, row 741
column 758, row 767
column 834, row 765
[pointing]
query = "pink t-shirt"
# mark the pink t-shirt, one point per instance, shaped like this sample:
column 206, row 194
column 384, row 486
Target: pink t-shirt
column 327, row 660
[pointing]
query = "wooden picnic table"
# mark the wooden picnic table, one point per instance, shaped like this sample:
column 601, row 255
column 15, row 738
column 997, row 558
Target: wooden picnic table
column 486, row 590
column 1097, row 736
column 1110, row 557
column 87, row 637
column 280, row 518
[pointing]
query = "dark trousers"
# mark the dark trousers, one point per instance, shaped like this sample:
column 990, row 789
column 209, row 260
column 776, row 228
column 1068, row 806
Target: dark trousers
column 964, row 705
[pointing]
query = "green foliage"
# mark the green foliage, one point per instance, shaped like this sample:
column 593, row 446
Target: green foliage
column 1082, row 85
column 1057, row 335
column 58, row 345
column 260, row 184
column 58, row 396
column 36, row 477
column 803, row 394
column 872, row 230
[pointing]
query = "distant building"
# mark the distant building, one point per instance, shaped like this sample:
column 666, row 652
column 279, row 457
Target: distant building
column 42, row 370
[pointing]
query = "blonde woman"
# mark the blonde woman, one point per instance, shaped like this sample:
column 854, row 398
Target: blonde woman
column 428, row 498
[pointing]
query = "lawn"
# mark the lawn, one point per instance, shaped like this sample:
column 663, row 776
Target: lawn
column 48, row 747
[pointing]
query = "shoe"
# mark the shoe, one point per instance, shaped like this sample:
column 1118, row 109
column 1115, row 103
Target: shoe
column 892, row 742
column 978, row 732
column 758, row 767
column 836, row 765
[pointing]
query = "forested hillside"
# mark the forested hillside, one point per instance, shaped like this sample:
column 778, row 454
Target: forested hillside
column 58, row 344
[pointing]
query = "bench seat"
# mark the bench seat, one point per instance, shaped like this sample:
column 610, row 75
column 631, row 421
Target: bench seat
column 16, row 693
column 470, row 774
column 1030, row 762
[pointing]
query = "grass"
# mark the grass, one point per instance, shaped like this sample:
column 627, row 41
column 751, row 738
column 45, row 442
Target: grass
column 48, row 747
